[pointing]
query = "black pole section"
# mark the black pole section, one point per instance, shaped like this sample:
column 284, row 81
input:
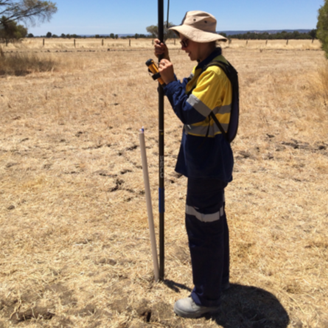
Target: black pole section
column 161, row 148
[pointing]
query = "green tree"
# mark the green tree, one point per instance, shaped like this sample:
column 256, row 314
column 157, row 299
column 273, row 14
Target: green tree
column 10, row 31
column 322, row 27
column 295, row 35
column 49, row 35
column 313, row 34
column 153, row 30
column 31, row 11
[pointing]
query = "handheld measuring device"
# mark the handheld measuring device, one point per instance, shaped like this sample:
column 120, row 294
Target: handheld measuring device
column 152, row 67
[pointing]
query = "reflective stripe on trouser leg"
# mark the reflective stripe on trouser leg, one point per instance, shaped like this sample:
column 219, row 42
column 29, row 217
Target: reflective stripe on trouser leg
column 211, row 217
column 209, row 248
column 226, row 254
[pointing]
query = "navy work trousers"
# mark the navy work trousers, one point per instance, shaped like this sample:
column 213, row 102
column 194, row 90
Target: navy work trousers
column 208, row 235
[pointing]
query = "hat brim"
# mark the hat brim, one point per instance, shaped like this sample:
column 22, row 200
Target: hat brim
column 196, row 35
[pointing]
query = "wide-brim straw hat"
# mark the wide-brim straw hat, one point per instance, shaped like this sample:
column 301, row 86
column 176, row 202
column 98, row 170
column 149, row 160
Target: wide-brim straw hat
column 199, row 26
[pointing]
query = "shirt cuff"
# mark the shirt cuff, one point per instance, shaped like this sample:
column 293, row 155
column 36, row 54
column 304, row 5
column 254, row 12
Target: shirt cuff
column 170, row 88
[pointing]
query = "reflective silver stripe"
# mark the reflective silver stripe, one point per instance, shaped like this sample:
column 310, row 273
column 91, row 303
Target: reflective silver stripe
column 198, row 105
column 222, row 110
column 204, row 217
column 202, row 129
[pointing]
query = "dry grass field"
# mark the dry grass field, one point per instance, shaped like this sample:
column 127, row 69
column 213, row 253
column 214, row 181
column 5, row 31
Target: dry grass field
column 74, row 240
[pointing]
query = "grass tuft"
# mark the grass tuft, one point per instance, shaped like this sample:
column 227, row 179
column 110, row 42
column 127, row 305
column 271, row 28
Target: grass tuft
column 20, row 64
column 318, row 89
column 323, row 81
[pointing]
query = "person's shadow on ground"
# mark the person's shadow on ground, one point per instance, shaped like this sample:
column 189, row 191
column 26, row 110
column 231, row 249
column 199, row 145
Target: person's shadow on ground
column 246, row 307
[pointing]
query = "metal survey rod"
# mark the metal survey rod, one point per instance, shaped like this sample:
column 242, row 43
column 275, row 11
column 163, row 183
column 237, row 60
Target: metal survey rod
column 148, row 201
column 161, row 148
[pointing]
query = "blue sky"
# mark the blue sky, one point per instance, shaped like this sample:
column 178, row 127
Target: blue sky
column 133, row 16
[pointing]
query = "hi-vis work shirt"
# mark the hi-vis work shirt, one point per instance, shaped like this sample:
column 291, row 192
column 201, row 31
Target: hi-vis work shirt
column 204, row 151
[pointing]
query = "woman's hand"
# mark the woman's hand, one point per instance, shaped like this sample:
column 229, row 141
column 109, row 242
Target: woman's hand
column 161, row 49
column 165, row 68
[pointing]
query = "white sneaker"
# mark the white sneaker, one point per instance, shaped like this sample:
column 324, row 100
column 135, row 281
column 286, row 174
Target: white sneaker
column 187, row 308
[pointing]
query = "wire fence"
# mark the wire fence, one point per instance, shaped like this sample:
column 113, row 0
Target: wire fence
column 106, row 43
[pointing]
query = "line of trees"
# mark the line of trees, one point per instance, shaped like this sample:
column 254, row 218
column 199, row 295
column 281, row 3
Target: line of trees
column 97, row 36
column 137, row 36
column 274, row 36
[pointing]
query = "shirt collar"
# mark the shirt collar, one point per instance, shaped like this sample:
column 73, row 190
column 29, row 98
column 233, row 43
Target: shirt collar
column 215, row 53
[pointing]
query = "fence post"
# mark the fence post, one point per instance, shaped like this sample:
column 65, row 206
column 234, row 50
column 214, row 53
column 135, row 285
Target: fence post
column 266, row 42
column 287, row 41
column 247, row 42
column 74, row 43
column 129, row 43
column 230, row 41
column 43, row 43
column 312, row 40
column 102, row 42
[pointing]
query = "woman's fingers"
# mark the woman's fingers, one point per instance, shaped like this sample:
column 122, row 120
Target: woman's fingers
column 160, row 49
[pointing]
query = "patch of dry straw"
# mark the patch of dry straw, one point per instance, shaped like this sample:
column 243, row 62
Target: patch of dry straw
column 74, row 247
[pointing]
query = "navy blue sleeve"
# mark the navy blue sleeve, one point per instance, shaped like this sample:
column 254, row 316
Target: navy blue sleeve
column 175, row 92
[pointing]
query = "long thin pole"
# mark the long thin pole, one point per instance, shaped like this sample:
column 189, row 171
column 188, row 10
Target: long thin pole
column 161, row 148
column 148, row 201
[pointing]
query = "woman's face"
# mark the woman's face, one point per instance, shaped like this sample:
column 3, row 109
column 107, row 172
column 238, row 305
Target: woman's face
column 190, row 47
